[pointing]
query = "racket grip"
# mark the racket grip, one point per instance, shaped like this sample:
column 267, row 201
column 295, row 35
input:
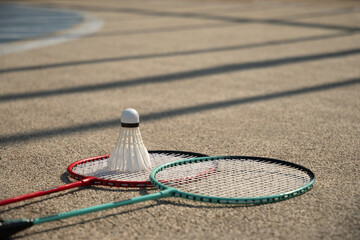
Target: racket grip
column 83, row 182
column 8, row 228
column 165, row 193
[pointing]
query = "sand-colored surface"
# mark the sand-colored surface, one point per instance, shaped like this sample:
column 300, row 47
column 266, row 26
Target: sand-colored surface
column 276, row 79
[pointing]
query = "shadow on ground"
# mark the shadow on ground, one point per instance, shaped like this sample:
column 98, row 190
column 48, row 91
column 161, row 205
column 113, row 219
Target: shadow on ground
column 176, row 112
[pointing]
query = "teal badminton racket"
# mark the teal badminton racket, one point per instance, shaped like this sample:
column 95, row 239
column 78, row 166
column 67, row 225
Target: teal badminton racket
column 231, row 180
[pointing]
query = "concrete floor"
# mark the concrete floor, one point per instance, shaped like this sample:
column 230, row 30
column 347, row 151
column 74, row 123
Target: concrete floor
column 277, row 79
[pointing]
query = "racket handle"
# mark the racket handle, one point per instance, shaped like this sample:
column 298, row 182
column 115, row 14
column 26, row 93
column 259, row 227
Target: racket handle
column 83, row 182
column 165, row 193
column 8, row 228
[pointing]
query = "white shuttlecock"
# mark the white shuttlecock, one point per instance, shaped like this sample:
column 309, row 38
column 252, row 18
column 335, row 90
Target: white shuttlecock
column 129, row 154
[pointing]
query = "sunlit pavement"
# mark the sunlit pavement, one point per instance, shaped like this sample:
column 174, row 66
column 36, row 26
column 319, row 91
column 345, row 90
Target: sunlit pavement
column 257, row 78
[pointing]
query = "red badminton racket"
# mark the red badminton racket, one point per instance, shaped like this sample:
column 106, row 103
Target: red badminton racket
column 94, row 171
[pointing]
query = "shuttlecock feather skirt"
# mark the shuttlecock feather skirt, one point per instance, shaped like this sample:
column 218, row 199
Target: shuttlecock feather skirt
column 130, row 153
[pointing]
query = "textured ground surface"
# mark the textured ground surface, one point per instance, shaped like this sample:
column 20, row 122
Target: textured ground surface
column 274, row 79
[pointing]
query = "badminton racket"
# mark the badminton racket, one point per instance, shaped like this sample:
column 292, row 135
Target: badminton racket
column 94, row 171
column 233, row 180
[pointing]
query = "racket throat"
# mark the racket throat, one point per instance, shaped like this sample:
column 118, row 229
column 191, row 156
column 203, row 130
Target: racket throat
column 169, row 192
column 88, row 181
column 154, row 196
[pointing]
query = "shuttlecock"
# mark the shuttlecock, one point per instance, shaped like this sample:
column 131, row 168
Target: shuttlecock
column 130, row 153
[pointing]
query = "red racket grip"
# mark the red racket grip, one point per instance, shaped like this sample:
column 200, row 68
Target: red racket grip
column 84, row 182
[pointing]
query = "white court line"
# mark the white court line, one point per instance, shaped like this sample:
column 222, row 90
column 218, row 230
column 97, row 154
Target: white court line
column 90, row 25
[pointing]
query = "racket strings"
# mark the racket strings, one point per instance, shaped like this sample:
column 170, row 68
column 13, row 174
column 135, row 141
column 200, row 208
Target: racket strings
column 235, row 178
column 99, row 168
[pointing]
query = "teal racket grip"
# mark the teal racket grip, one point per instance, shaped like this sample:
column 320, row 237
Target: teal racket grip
column 10, row 227
column 154, row 196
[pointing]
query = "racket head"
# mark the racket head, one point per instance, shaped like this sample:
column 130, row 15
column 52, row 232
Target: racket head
column 235, row 179
column 82, row 169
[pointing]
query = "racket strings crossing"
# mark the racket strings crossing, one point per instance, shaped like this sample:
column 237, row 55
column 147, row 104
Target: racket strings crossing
column 235, row 178
column 99, row 167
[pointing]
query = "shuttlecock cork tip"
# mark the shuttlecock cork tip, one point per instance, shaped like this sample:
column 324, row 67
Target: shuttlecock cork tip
column 130, row 118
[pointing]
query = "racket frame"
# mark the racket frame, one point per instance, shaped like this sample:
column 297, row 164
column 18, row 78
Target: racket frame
column 89, row 180
column 223, row 200
column 11, row 226
column 120, row 183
